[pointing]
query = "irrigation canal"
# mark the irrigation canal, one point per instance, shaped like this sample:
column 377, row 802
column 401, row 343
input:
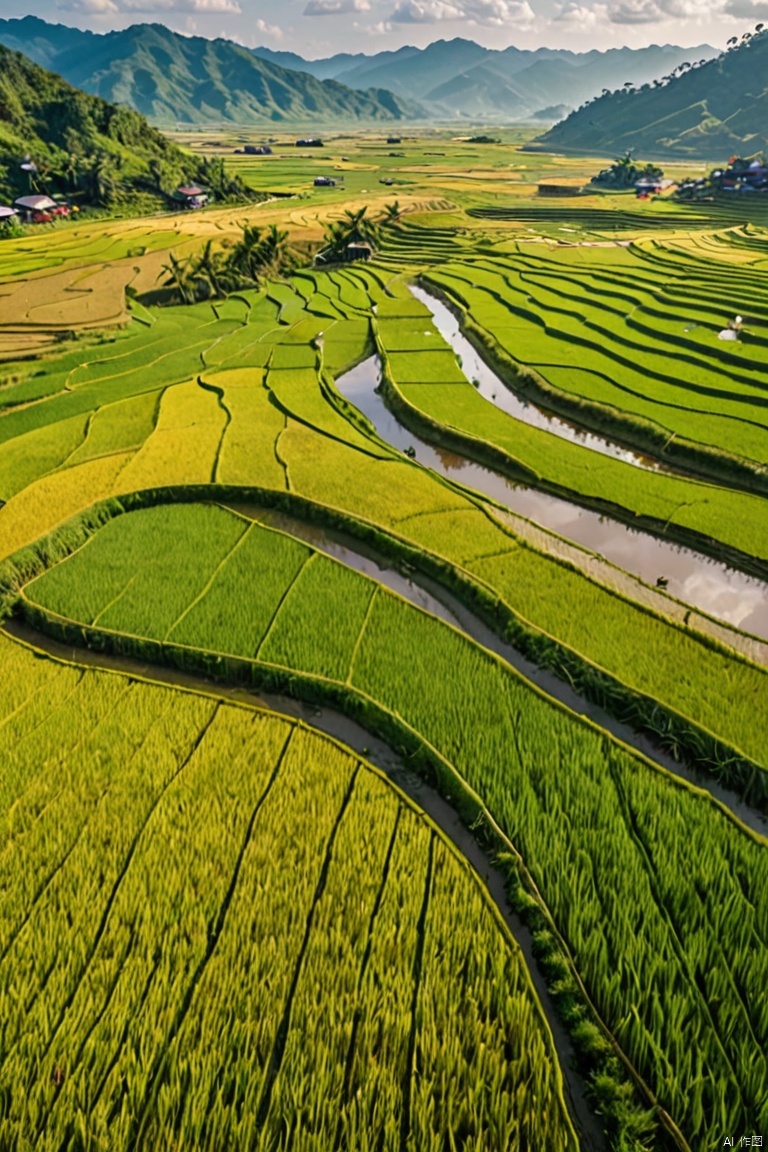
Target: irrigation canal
column 692, row 577
column 492, row 388
column 426, row 798
column 425, row 593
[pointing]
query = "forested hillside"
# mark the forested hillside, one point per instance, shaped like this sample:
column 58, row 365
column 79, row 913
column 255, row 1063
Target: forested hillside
column 708, row 110
column 77, row 142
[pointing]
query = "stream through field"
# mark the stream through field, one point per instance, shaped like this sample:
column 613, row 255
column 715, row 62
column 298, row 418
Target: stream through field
column 692, row 577
column 426, row 798
column 496, row 392
column 423, row 592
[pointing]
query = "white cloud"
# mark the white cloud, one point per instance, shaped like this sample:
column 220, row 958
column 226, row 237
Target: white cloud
column 581, row 15
column 92, row 7
column 380, row 28
column 265, row 29
column 493, row 13
column 635, row 12
column 335, row 7
column 661, row 11
column 747, row 9
column 424, row 12
column 109, row 7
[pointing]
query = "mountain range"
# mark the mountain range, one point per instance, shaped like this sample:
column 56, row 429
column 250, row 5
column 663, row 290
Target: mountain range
column 172, row 78
column 459, row 78
column 709, row 111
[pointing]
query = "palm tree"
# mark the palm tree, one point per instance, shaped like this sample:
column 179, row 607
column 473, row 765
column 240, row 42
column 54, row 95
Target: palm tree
column 180, row 277
column 392, row 212
column 210, row 270
column 277, row 255
column 352, row 228
column 259, row 252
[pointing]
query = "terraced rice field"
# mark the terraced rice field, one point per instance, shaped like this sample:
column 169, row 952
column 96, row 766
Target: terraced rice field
column 223, row 927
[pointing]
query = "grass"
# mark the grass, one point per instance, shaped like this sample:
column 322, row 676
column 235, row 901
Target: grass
column 637, row 906
column 213, row 873
column 647, row 347
column 282, row 870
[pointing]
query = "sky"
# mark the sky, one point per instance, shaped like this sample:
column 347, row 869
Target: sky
column 316, row 28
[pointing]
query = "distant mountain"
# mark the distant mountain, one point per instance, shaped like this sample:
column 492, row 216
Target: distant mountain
column 78, row 143
column 171, row 78
column 459, row 78
column 710, row 111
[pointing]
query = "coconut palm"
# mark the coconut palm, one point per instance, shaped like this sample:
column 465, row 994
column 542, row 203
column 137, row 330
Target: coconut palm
column 392, row 212
column 260, row 252
column 180, row 277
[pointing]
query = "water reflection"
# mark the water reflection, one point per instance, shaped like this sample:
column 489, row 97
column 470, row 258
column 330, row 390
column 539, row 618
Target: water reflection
column 492, row 388
column 692, row 577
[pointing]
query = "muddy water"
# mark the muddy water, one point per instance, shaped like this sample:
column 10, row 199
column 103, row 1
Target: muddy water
column 693, row 577
column 493, row 389
column 426, row 593
column 427, row 799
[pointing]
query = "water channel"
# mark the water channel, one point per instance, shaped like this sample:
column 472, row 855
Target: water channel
column 426, row 798
column 427, row 594
column 692, row 577
column 493, row 389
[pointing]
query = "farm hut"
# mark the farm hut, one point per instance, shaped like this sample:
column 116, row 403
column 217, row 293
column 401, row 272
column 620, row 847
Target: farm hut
column 357, row 251
column 191, row 196
column 34, row 207
column 324, row 182
column 394, row 139
column 309, row 142
column 651, row 185
column 6, row 213
column 257, row 150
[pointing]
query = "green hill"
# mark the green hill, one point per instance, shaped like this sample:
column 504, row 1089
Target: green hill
column 171, row 78
column 708, row 111
column 79, row 143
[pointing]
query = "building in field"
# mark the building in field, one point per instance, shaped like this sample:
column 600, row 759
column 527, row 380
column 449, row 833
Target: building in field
column 355, row 250
column 309, row 142
column 7, row 213
column 257, row 150
column 651, row 186
column 324, row 182
column 39, row 209
column 191, row 196
column 742, row 176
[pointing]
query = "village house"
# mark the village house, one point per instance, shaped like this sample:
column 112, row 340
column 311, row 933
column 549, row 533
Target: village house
column 191, row 196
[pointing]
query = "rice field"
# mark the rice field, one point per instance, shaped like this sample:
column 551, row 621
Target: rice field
column 223, row 928
column 309, row 615
column 236, row 867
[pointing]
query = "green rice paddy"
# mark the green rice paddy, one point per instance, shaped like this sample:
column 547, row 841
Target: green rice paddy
column 222, row 928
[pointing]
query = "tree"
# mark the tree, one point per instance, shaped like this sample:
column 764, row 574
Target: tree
column 624, row 172
column 212, row 277
column 392, row 212
column 215, row 272
column 352, row 228
column 260, row 253
column 180, row 278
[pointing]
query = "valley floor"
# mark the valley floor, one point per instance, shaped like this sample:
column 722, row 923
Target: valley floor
column 385, row 656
